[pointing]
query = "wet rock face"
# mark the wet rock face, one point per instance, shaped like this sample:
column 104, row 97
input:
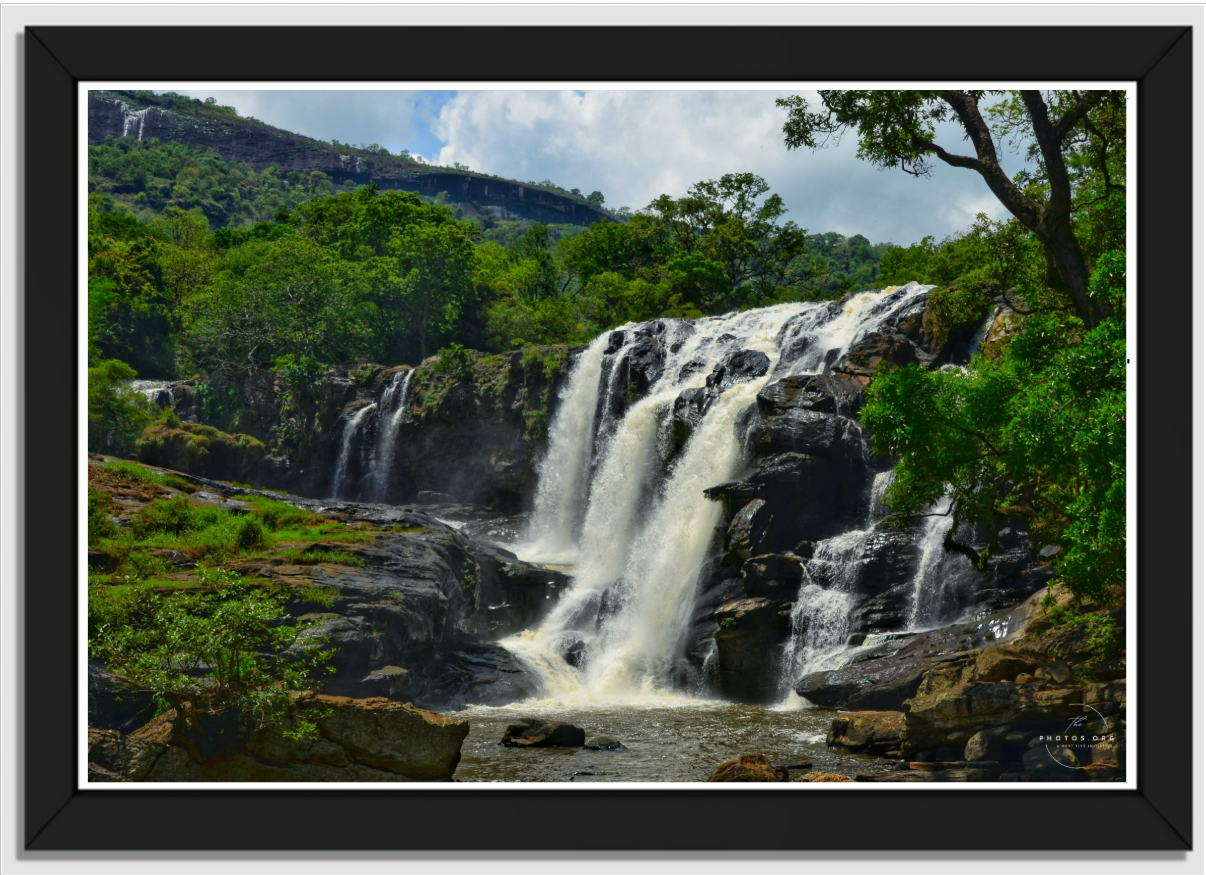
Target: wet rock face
column 750, row 635
column 883, row 677
column 738, row 367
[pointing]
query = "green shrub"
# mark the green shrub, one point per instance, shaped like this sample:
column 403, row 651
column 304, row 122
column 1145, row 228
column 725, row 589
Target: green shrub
column 173, row 516
column 250, row 533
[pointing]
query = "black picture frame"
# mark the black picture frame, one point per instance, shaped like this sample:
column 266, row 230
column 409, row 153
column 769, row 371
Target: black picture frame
column 1157, row 816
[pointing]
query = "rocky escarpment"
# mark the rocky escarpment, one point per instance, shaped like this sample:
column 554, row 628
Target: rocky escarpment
column 469, row 434
column 144, row 116
column 354, row 740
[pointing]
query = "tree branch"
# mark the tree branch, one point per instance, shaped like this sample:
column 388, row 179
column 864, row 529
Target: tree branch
column 1078, row 111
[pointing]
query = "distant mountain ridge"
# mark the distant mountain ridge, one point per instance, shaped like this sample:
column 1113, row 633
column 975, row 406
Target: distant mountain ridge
column 170, row 118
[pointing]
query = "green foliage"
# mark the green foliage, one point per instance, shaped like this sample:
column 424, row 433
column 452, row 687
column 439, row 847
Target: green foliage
column 146, row 177
column 100, row 520
column 116, row 413
column 229, row 645
column 454, row 362
column 1036, row 432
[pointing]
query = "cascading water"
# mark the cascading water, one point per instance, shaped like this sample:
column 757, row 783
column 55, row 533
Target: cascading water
column 349, row 440
column 647, row 525
column 552, row 534
column 395, row 406
column 927, row 581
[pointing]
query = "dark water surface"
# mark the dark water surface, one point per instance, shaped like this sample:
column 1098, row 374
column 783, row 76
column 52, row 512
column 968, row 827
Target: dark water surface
column 665, row 743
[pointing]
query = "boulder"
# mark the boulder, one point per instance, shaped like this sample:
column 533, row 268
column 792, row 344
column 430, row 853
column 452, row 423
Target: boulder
column 951, row 705
column 824, row 393
column 871, row 732
column 605, row 742
column 389, row 681
column 356, row 740
column 391, row 736
column 113, row 704
column 747, row 768
column 199, row 449
column 1043, row 763
column 534, row 732
column 984, row 745
column 749, row 638
column 883, row 677
column 113, row 756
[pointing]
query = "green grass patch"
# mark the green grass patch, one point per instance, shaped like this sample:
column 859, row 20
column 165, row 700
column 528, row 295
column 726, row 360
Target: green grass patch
column 118, row 471
column 322, row 596
column 213, row 532
column 316, row 556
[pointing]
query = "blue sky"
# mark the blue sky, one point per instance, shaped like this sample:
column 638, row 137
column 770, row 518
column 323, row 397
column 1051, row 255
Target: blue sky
column 635, row 145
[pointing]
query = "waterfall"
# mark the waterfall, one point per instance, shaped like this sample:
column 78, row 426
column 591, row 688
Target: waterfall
column 395, row 403
column 648, row 526
column 927, row 581
column 551, row 535
column 351, row 429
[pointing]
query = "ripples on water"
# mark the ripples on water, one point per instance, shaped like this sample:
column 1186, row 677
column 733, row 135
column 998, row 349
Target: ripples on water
column 683, row 743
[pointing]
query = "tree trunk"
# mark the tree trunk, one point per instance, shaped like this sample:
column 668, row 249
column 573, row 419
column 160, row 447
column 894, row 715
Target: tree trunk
column 1070, row 263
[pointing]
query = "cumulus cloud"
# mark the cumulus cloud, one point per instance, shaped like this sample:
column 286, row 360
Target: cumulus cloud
column 635, row 145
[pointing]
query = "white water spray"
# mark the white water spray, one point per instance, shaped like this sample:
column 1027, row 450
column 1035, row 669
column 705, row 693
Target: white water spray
column 646, row 531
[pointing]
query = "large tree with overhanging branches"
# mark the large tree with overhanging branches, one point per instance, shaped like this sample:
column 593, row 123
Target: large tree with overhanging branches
column 899, row 129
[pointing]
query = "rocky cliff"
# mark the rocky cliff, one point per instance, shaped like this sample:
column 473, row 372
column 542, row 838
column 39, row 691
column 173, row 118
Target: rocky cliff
column 237, row 139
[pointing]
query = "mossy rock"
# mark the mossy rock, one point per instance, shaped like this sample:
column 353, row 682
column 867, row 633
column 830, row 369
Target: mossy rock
column 199, row 449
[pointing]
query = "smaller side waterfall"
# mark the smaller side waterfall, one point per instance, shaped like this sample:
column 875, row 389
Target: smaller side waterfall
column 927, row 582
column 349, row 441
column 395, row 406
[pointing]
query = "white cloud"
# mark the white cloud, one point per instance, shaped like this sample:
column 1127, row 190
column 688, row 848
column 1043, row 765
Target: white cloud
column 635, row 145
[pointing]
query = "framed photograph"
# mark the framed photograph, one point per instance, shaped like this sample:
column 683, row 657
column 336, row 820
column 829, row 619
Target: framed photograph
column 786, row 438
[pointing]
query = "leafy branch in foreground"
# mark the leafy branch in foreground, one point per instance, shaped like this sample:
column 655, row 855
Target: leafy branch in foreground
column 228, row 645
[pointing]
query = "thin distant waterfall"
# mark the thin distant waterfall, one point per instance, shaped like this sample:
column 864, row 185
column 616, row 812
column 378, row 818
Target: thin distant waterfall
column 348, row 442
column 395, row 407
column 647, row 525
column 927, row 582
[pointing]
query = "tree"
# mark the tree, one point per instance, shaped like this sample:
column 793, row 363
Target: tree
column 116, row 413
column 431, row 273
column 729, row 222
column 595, row 199
column 290, row 297
column 898, row 129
